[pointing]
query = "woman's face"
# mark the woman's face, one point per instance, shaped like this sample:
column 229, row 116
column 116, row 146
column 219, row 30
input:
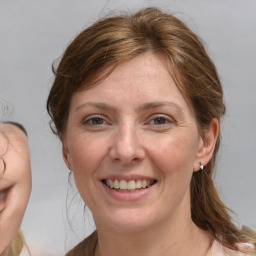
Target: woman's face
column 133, row 144
column 15, row 181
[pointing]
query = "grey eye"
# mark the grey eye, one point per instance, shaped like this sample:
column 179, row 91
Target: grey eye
column 96, row 121
column 159, row 120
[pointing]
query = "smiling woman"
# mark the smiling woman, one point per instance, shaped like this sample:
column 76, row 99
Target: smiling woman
column 137, row 104
column 15, row 186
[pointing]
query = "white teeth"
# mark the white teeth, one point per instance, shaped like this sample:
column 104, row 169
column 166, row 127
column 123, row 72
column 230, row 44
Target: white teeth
column 144, row 184
column 123, row 184
column 130, row 185
column 138, row 184
column 111, row 183
column 116, row 184
column 2, row 195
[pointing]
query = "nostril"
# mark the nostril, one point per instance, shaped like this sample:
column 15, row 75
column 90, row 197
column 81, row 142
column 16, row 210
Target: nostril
column 126, row 146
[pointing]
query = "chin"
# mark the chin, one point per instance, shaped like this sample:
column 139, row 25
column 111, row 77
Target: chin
column 127, row 221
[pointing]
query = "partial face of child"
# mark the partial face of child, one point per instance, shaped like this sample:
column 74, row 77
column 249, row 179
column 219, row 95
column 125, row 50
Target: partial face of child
column 15, row 181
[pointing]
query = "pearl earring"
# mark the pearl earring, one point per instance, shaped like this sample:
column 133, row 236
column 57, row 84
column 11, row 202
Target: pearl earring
column 201, row 166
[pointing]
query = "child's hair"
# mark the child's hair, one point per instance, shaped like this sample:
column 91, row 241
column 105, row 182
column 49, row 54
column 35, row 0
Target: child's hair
column 16, row 246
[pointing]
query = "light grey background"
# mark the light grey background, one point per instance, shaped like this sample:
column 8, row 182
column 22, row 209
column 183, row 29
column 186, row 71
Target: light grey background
column 35, row 32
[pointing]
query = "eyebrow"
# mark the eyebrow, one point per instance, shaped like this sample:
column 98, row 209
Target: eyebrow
column 96, row 105
column 153, row 105
column 143, row 107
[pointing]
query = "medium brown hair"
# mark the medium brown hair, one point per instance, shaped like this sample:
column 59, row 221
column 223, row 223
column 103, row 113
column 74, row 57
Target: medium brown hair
column 113, row 40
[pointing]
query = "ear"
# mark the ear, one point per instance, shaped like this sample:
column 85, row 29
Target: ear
column 207, row 145
column 66, row 156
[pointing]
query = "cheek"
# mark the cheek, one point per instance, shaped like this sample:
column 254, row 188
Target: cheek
column 11, row 217
column 174, row 157
column 86, row 153
column 178, row 151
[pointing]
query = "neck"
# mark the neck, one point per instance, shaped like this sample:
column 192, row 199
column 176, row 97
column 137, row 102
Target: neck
column 167, row 239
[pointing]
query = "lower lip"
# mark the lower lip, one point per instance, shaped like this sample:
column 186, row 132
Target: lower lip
column 127, row 196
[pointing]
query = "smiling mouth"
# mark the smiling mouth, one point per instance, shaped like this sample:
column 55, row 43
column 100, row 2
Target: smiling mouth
column 128, row 186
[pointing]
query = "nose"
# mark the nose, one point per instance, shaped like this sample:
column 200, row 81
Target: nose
column 127, row 147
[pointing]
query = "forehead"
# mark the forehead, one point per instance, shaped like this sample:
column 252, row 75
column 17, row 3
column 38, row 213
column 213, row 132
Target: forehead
column 137, row 73
column 144, row 65
column 142, row 80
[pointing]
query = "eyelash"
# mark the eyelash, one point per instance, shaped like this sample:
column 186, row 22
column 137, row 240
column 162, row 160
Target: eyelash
column 97, row 121
column 162, row 118
column 88, row 121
